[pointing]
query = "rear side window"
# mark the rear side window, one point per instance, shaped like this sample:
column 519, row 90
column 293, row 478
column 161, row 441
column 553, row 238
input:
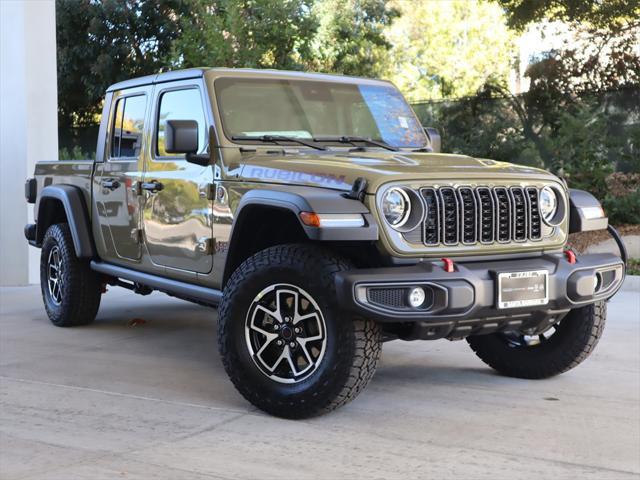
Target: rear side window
column 181, row 105
column 128, row 127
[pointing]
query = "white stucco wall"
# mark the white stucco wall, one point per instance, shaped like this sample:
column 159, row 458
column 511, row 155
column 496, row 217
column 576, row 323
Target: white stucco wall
column 28, row 124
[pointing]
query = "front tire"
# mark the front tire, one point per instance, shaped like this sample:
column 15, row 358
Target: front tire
column 561, row 348
column 70, row 289
column 284, row 343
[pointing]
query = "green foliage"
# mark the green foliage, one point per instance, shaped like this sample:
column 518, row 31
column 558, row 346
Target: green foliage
column 633, row 266
column 581, row 149
column 584, row 148
column 477, row 126
column 246, row 33
column 449, row 48
column 100, row 43
column 351, row 37
column 75, row 153
column 598, row 13
column 624, row 209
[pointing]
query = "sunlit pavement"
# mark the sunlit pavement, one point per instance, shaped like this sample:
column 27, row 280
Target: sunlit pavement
column 142, row 394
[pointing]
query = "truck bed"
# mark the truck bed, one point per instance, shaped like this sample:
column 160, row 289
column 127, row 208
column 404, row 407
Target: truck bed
column 69, row 172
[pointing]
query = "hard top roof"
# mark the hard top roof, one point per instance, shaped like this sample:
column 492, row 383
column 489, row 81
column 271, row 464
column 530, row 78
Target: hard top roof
column 243, row 72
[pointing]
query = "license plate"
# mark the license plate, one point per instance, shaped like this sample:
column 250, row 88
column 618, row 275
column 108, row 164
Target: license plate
column 523, row 289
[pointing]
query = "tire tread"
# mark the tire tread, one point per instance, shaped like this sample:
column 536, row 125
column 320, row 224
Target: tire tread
column 361, row 348
column 586, row 327
column 83, row 302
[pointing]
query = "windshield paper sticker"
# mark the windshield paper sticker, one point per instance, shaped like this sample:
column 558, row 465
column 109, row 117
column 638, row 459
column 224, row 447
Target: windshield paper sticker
column 393, row 116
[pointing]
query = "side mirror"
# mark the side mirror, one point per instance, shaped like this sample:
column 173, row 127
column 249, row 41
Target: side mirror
column 181, row 136
column 434, row 139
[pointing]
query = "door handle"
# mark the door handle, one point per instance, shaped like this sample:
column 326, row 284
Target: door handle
column 110, row 184
column 153, row 186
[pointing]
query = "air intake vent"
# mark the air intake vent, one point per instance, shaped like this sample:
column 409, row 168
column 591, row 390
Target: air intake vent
column 388, row 297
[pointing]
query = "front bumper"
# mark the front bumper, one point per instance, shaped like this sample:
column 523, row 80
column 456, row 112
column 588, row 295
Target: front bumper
column 464, row 302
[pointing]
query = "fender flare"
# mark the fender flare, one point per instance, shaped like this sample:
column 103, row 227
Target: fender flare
column 75, row 209
column 309, row 199
column 304, row 199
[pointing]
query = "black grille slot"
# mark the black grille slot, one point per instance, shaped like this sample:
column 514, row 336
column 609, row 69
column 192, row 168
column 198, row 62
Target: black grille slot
column 520, row 230
column 449, row 209
column 431, row 222
column 503, row 214
column 487, row 212
column 388, row 297
column 535, row 226
column 469, row 215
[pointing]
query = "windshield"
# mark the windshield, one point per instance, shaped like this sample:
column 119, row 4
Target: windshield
column 309, row 109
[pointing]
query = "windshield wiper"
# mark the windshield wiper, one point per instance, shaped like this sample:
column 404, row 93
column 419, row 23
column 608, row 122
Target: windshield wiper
column 354, row 140
column 277, row 139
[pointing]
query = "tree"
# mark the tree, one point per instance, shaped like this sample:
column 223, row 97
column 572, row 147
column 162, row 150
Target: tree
column 246, row 33
column 337, row 36
column 600, row 14
column 599, row 55
column 102, row 43
column 449, row 49
column 351, row 39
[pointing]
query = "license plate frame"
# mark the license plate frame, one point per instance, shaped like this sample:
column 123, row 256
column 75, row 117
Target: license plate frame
column 527, row 283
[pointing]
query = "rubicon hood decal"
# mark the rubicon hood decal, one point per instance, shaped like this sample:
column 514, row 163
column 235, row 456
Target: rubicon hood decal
column 266, row 174
column 339, row 170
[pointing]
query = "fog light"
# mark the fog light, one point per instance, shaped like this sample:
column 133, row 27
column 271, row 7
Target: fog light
column 416, row 297
column 597, row 282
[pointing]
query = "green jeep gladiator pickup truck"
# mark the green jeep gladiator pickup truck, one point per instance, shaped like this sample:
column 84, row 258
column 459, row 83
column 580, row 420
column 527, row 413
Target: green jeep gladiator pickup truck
column 315, row 212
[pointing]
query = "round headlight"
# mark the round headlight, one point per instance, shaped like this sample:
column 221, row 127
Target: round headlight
column 548, row 204
column 396, row 207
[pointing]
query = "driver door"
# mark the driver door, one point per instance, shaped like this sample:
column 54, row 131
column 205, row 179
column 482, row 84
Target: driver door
column 177, row 213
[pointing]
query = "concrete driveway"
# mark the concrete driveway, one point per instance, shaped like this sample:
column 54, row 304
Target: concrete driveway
column 123, row 399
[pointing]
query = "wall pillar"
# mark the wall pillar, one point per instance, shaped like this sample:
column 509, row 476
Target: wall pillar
column 28, row 124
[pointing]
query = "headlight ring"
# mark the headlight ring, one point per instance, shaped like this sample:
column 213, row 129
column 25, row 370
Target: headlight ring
column 551, row 206
column 396, row 207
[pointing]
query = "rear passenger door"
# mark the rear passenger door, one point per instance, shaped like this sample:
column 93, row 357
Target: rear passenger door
column 116, row 178
column 177, row 215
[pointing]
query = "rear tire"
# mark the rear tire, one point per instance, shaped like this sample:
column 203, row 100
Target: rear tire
column 71, row 291
column 283, row 296
column 573, row 340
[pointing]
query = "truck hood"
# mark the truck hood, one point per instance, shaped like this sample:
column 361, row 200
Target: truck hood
column 338, row 170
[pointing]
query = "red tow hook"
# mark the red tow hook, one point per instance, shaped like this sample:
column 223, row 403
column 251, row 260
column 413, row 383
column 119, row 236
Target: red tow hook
column 571, row 256
column 448, row 265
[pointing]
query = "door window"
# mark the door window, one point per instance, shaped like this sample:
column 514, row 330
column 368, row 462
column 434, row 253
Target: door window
column 181, row 105
column 128, row 127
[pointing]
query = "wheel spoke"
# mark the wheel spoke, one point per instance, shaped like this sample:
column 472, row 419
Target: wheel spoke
column 270, row 338
column 56, row 291
column 281, row 306
column 55, row 275
column 258, row 329
column 290, row 361
column 272, row 313
column 303, row 345
column 301, row 318
column 284, row 355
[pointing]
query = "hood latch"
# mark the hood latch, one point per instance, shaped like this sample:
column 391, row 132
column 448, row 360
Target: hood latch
column 357, row 189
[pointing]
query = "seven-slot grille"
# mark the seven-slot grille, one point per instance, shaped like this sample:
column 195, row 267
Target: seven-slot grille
column 469, row 215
